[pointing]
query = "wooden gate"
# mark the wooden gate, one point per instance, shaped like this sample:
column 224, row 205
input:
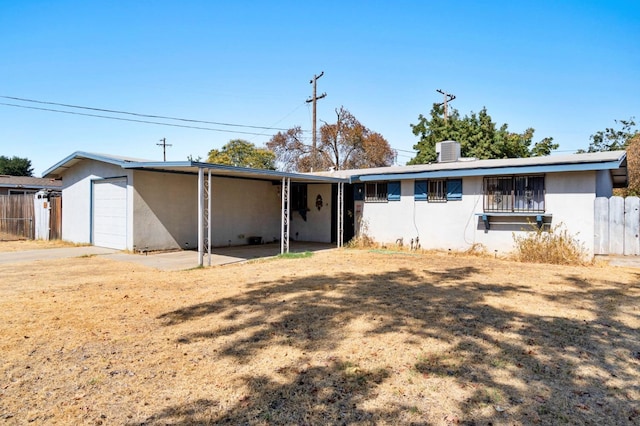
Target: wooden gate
column 16, row 217
column 55, row 221
column 617, row 226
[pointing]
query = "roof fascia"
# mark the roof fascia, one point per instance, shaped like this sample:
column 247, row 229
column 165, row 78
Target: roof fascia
column 83, row 155
column 159, row 165
column 549, row 168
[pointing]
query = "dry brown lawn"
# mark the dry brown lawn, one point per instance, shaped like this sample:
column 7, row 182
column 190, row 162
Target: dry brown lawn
column 11, row 243
column 342, row 337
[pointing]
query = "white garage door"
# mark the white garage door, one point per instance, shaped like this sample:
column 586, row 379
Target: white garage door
column 110, row 213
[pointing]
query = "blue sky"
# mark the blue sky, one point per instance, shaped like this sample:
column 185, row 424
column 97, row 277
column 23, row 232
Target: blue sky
column 565, row 68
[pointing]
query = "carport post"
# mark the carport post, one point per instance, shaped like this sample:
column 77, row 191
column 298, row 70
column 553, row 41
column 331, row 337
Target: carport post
column 340, row 214
column 284, row 224
column 209, row 193
column 200, row 216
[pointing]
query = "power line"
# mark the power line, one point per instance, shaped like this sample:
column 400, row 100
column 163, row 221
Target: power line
column 140, row 114
column 184, row 126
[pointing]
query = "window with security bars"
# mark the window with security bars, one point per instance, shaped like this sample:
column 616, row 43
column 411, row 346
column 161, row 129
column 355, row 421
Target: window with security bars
column 376, row 192
column 504, row 194
column 437, row 190
column 381, row 192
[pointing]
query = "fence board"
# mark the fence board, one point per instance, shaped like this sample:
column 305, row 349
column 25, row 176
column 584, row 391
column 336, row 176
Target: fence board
column 55, row 221
column 616, row 225
column 16, row 216
column 632, row 226
column 601, row 234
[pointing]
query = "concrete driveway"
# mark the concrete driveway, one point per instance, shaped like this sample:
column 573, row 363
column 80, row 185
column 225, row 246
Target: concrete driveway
column 165, row 261
column 52, row 254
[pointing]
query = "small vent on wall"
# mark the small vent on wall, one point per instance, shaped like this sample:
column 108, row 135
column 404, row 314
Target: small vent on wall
column 448, row 151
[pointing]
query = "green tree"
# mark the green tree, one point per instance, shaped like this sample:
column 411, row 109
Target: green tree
column 241, row 153
column 345, row 144
column 612, row 139
column 15, row 166
column 477, row 134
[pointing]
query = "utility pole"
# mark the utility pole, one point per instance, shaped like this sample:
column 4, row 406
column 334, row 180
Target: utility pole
column 314, row 99
column 164, row 146
column 448, row 97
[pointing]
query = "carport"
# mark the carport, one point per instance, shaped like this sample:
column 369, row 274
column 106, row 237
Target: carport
column 140, row 205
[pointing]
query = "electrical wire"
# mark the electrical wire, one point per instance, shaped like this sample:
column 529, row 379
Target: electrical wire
column 163, row 117
column 132, row 120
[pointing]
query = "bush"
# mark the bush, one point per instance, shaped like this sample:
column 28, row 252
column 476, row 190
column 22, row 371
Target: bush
column 554, row 245
column 362, row 240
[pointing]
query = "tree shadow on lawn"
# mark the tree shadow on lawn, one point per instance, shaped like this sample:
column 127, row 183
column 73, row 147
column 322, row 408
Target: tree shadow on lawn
column 537, row 368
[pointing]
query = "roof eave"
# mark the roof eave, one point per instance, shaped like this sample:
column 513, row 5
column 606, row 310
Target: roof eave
column 60, row 166
column 503, row 170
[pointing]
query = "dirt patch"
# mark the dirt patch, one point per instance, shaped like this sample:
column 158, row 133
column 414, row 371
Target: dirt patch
column 342, row 337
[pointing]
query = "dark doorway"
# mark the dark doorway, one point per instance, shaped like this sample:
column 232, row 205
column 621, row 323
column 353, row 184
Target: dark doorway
column 348, row 230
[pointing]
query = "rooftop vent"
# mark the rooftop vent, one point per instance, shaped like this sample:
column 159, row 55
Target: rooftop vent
column 447, row 151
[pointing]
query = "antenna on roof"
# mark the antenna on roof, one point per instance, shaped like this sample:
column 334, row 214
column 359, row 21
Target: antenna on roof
column 164, row 146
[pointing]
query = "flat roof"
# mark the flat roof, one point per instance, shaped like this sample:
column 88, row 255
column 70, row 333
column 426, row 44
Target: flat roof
column 189, row 167
column 615, row 161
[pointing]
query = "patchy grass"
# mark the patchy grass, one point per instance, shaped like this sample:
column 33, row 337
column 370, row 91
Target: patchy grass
column 344, row 337
column 300, row 255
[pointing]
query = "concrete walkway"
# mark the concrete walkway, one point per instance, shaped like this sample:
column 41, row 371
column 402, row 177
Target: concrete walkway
column 625, row 261
column 165, row 261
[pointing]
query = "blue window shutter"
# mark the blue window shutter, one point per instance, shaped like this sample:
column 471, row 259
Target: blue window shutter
column 358, row 192
column 454, row 189
column 393, row 191
column 420, row 190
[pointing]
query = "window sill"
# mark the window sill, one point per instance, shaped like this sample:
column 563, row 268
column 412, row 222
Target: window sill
column 539, row 218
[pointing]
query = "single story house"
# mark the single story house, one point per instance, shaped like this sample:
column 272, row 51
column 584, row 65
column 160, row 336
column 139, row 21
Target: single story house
column 23, row 185
column 133, row 204
column 456, row 202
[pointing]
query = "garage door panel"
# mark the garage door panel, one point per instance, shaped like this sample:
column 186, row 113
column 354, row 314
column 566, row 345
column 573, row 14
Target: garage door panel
column 110, row 213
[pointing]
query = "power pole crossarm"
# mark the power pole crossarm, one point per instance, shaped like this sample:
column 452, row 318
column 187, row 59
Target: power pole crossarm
column 314, row 99
column 164, row 146
column 448, row 97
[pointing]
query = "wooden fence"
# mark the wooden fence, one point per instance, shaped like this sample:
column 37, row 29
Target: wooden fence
column 617, row 226
column 17, row 217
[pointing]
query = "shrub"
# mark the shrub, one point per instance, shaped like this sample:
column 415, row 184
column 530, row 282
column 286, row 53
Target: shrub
column 362, row 240
column 555, row 245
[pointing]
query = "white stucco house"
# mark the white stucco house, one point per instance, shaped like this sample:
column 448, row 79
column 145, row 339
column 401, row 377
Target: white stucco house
column 130, row 204
column 458, row 202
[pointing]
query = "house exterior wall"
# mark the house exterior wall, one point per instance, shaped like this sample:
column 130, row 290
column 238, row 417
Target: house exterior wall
column 165, row 210
column 243, row 208
column 571, row 198
column 456, row 225
column 317, row 227
column 604, row 184
column 76, row 193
